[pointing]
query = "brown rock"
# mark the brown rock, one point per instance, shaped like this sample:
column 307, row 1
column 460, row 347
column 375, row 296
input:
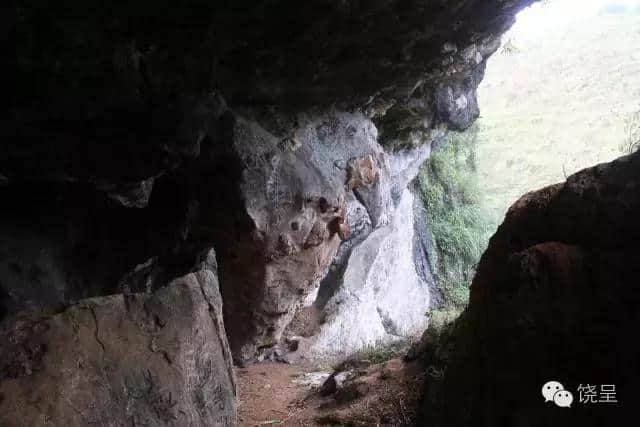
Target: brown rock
column 157, row 360
column 555, row 297
column 362, row 171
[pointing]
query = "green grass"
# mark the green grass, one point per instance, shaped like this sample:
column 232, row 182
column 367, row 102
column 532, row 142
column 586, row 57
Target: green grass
column 375, row 354
column 458, row 222
column 631, row 142
column 563, row 101
column 551, row 105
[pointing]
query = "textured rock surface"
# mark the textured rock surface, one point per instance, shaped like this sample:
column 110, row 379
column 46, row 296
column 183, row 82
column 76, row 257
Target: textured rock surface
column 260, row 52
column 295, row 196
column 423, row 245
column 149, row 131
column 380, row 297
column 158, row 360
column 371, row 294
column 555, row 298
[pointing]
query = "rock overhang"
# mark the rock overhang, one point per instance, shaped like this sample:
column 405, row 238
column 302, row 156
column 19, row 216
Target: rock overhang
column 147, row 101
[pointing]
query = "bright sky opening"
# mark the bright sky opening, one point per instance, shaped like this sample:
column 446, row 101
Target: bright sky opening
column 554, row 15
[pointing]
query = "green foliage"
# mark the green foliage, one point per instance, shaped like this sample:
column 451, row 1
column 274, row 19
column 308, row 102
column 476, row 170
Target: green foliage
column 458, row 222
column 509, row 48
column 631, row 141
column 375, row 354
column 441, row 318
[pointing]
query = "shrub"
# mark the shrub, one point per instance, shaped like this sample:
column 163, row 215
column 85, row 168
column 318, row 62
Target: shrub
column 631, row 142
column 376, row 354
column 458, row 222
column 509, row 48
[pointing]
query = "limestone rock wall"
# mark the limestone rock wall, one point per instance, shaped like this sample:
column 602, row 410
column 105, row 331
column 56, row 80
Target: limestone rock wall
column 325, row 182
column 159, row 359
column 380, row 297
column 138, row 134
column 294, row 193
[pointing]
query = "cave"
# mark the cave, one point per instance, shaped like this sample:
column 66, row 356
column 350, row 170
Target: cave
column 209, row 203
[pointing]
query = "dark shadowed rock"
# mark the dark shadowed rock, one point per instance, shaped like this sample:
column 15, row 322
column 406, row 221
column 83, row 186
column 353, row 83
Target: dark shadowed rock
column 555, row 297
column 154, row 130
column 135, row 135
column 158, row 359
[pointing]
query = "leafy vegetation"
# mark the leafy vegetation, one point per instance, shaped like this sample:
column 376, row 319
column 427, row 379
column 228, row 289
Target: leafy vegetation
column 509, row 48
column 553, row 102
column 631, row 141
column 458, row 223
column 375, row 354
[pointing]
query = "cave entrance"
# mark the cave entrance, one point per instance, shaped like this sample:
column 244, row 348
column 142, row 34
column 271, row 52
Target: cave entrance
column 562, row 93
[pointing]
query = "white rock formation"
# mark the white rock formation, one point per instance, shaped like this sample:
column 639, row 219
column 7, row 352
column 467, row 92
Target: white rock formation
column 381, row 298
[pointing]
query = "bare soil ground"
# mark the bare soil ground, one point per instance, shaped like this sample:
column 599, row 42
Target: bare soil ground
column 385, row 394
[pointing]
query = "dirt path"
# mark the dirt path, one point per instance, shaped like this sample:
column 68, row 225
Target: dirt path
column 269, row 394
column 277, row 394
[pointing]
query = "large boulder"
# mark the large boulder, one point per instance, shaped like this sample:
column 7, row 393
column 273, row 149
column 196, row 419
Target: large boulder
column 158, row 359
column 555, row 298
column 149, row 131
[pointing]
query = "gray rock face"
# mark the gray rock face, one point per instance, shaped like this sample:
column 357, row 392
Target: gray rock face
column 380, row 297
column 32, row 271
column 294, row 193
column 360, row 227
column 300, row 54
column 158, row 359
column 457, row 104
column 423, row 246
column 373, row 292
column 137, row 132
column 137, row 136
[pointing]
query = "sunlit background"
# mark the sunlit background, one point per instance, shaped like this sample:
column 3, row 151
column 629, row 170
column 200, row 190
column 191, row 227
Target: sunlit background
column 555, row 15
column 558, row 96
